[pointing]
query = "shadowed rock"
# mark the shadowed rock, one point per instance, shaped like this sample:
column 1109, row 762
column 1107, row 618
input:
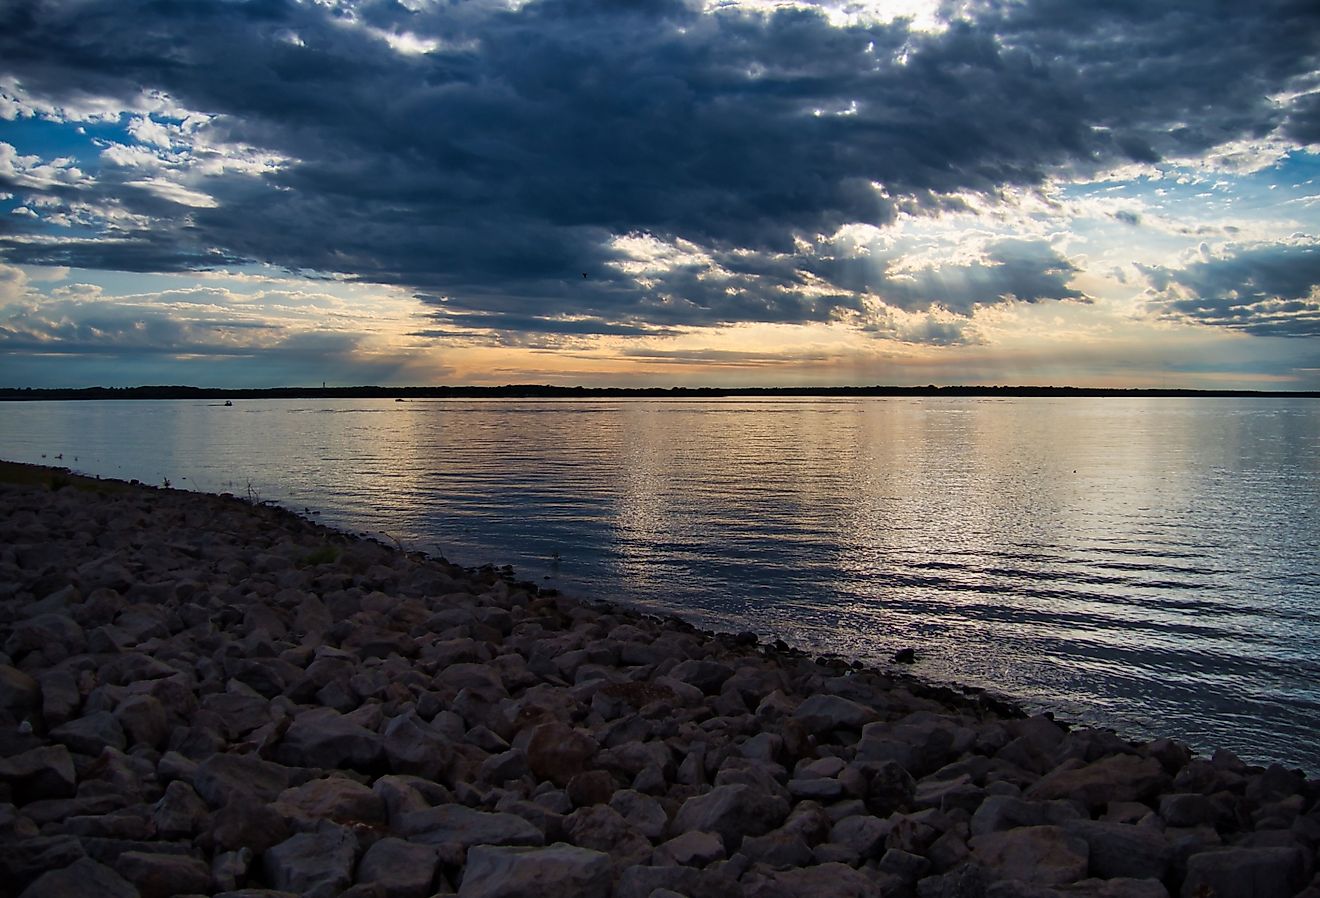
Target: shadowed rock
column 558, row 871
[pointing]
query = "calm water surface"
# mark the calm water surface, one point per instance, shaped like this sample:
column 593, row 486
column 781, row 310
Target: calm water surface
column 1152, row 565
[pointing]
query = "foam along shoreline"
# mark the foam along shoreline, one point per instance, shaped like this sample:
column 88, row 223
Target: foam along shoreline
column 203, row 696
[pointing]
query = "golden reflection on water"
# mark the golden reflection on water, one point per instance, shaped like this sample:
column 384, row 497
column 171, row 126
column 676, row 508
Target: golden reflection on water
column 1153, row 564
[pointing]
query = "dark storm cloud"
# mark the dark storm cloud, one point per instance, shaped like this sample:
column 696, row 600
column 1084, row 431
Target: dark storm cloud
column 1267, row 290
column 494, row 170
column 1303, row 123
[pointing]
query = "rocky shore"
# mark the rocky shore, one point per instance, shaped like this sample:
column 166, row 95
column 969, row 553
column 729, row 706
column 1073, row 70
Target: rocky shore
column 203, row 696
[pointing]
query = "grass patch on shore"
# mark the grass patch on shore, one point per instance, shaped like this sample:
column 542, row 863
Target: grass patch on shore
column 54, row 479
column 323, row 555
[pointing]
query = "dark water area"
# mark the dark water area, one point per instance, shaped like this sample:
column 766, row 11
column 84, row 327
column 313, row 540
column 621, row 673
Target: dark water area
column 1150, row 565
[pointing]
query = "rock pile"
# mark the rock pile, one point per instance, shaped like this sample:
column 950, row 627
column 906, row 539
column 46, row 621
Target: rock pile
column 200, row 696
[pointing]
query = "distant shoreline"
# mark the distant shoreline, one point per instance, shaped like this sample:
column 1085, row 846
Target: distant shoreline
column 542, row 391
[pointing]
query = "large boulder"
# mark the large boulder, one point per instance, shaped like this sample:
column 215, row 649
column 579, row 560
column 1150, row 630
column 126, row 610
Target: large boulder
column 455, row 828
column 834, row 879
column 1037, row 854
column 1121, row 850
column 222, row 779
column 708, row 676
column 314, row 864
column 91, row 733
column 1245, row 873
column 322, row 737
column 399, row 869
column 160, row 875
column 336, row 798
column 1000, row 812
column 558, row 871
column 733, row 811
column 81, row 878
column 1116, row 778
column 43, row 772
column 823, row 713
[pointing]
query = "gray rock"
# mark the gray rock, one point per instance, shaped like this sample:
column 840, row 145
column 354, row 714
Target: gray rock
column 835, row 880
column 56, row 636
column 809, row 820
column 921, row 743
column 223, row 779
column 590, row 787
column 1245, row 873
column 90, row 733
column 242, row 712
column 557, row 871
column 80, row 879
column 179, row 812
column 1188, row 809
column 505, row 766
column 643, row 813
column 312, row 864
column 322, row 737
column 602, row 828
column 412, row 746
column 401, row 869
column 834, row 853
column 1037, row 854
column 1116, row 778
column 822, row 789
column 455, row 828
column 691, row 849
column 143, row 720
column 336, row 798
column 823, row 713
column 229, row 868
column 968, row 880
column 708, row 676
column 905, row 866
column 1119, row 850
column 247, row 823
column 891, row 789
column 733, row 811
column 43, row 772
column 863, row 834
column 764, row 746
column 642, row 881
column 778, row 850
column 1108, row 888
column 163, row 875
column 22, row 860
column 1000, row 812
column 127, row 824
column 60, row 697
column 400, row 797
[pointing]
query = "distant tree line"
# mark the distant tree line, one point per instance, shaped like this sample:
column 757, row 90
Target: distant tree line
column 545, row 391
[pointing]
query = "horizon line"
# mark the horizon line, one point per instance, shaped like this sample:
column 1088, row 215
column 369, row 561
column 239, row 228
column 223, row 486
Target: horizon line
column 540, row 391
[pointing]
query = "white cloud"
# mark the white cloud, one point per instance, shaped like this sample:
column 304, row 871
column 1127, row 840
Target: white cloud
column 176, row 193
column 33, row 172
column 13, row 283
column 148, row 130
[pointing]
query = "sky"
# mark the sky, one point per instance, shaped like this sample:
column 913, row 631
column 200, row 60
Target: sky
column 660, row 192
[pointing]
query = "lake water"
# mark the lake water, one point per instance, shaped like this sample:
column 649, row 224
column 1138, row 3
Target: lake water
column 1151, row 565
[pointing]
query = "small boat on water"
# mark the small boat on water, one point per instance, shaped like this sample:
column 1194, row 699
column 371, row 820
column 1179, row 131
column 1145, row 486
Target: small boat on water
column 229, row 403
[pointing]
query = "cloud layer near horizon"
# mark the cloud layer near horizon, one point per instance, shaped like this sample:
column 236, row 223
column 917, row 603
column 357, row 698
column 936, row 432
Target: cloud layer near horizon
column 558, row 169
